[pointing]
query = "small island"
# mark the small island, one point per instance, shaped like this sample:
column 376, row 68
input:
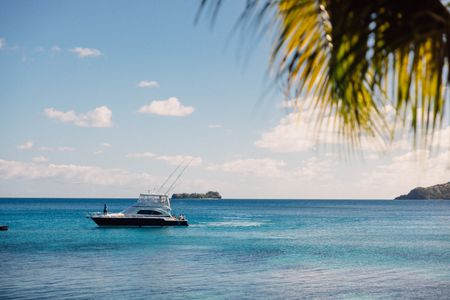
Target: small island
column 435, row 192
column 208, row 195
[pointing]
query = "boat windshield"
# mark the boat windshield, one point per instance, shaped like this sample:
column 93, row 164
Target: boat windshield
column 154, row 200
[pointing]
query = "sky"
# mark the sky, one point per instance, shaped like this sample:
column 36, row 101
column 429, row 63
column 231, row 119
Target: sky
column 107, row 98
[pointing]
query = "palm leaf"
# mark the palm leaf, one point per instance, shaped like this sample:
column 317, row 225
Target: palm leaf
column 354, row 57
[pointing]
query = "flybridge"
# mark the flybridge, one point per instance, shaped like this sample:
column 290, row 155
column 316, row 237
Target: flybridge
column 154, row 198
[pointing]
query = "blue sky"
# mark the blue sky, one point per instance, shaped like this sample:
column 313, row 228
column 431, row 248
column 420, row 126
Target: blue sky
column 103, row 98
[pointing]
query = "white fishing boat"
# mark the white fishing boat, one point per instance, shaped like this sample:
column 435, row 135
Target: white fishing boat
column 151, row 209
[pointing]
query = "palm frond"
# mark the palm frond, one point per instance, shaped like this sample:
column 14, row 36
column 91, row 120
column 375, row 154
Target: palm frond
column 354, row 57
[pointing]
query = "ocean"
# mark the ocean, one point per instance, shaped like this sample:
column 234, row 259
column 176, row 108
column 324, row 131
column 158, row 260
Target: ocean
column 233, row 249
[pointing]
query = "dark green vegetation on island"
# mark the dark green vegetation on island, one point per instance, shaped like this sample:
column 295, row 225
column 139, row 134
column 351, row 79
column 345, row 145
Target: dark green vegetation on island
column 208, row 195
column 437, row 192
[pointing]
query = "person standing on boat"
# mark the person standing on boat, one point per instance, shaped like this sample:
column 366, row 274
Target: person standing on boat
column 105, row 210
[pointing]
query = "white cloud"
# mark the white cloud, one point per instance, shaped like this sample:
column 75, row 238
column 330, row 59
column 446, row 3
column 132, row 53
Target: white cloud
column 442, row 139
column 85, row 181
column 282, row 179
column 288, row 136
column 329, row 176
column 40, row 159
column 99, row 117
column 55, row 49
column 178, row 159
column 98, row 152
column 147, row 84
column 261, row 167
column 106, row 145
column 214, row 126
column 25, row 146
column 86, row 52
column 140, row 155
column 298, row 131
column 317, row 168
column 2, row 43
column 71, row 173
column 171, row 159
column 59, row 149
column 169, row 107
column 408, row 170
column 288, row 104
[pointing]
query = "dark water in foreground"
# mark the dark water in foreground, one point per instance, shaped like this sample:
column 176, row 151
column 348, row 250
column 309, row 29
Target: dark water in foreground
column 234, row 249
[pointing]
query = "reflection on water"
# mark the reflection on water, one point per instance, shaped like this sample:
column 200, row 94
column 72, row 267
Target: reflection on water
column 232, row 250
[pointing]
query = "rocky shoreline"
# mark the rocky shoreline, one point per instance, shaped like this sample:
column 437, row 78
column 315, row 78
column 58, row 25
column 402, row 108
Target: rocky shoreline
column 435, row 192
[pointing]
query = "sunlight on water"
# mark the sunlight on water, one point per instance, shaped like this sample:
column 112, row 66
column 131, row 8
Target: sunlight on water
column 231, row 250
column 236, row 223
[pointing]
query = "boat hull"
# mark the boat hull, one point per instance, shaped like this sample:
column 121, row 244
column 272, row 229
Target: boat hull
column 137, row 222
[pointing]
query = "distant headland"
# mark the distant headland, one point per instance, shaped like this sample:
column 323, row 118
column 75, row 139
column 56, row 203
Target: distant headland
column 435, row 192
column 208, row 195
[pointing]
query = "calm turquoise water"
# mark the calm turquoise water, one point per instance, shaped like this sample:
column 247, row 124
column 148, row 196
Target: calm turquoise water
column 234, row 249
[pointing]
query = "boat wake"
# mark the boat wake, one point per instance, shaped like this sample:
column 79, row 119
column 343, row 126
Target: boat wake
column 234, row 223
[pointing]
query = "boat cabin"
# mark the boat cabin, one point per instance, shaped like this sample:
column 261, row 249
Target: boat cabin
column 150, row 204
